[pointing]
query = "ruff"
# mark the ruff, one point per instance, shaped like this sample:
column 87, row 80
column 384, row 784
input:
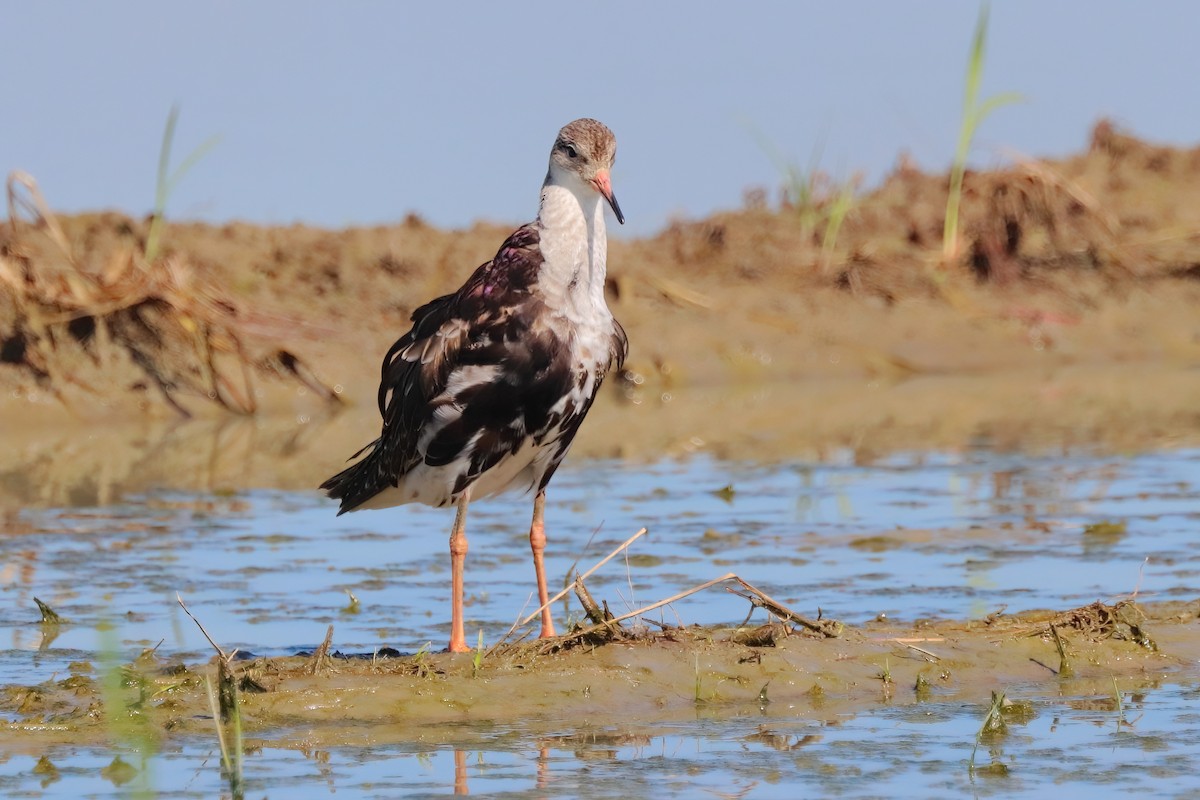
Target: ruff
column 488, row 389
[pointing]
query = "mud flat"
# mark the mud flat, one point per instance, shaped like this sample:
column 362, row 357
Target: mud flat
column 652, row 677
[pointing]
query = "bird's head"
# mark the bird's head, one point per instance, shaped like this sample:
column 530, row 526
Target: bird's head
column 583, row 156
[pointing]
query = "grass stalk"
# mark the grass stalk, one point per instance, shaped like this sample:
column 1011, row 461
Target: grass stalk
column 973, row 114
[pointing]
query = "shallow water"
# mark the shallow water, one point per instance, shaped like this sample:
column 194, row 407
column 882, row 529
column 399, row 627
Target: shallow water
column 948, row 534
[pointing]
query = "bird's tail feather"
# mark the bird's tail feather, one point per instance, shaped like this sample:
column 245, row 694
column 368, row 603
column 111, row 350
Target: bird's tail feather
column 359, row 482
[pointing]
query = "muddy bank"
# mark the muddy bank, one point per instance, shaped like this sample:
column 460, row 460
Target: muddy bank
column 654, row 678
column 1085, row 261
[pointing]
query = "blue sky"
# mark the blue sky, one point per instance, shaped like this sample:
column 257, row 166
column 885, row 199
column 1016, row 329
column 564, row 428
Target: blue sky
column 357, row 113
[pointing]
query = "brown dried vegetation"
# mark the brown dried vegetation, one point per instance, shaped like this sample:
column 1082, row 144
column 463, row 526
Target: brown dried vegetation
column 73, row 322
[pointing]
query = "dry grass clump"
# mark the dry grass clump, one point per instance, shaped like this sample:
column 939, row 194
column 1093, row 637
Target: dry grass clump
column 1014, row 209
column 129, row 323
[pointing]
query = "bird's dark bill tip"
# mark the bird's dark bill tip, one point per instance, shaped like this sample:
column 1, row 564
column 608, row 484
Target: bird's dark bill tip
column 612, row 202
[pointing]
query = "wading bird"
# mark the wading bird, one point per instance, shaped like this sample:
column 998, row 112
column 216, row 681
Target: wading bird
column 488, row 389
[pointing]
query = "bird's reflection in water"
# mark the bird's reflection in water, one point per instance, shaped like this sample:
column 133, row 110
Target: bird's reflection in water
column 589, row 746
column 460, row 772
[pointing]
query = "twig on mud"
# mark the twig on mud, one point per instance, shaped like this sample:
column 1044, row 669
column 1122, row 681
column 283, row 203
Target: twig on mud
column 661, row 625
column 226, row 686
column 921, row 650
column 578, row 581
column 224, row 656
column 829, row 628
column 599, row 613
column 729, row 576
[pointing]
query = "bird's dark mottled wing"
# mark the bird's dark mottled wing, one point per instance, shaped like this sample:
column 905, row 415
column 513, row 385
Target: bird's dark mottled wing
column 470, row 378
column 572, row 413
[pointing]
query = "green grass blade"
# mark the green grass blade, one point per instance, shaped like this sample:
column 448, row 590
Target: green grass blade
column 997, row 101
column 166, row 181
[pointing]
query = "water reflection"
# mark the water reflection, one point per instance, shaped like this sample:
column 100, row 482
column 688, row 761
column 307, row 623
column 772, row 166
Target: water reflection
column 52, row 460
column 1083, row 745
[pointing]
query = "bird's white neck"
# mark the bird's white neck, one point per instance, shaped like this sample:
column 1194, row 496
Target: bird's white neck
column 574, row 242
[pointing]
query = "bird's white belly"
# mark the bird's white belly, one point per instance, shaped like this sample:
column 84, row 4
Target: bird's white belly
column 434, row 486
column 522, row 470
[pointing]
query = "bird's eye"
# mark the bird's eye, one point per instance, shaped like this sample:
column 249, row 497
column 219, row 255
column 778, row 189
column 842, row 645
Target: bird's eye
column 571, row 152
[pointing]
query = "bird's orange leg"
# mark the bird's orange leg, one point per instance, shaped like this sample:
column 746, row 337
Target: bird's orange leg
column 458, row 554
column 537, row 542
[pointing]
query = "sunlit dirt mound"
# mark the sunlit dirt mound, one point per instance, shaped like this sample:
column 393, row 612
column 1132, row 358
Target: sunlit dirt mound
column 1089, row 259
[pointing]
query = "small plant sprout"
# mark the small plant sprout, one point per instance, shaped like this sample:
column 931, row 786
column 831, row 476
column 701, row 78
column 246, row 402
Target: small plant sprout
column 49, row 615
column 841, row 204
column 166, row 183
column 973, row 114
column 885, row 674
column 477, row 658
column 1064, row 665
column 802, row 185
column 993, row 722
column 1121, row 721
column 421, row 659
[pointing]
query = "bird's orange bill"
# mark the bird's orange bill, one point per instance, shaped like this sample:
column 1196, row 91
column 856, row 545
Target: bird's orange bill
column 603, row 185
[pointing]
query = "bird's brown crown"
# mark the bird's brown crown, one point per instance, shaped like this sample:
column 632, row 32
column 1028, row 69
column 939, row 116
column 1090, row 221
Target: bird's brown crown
column 586, row 143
